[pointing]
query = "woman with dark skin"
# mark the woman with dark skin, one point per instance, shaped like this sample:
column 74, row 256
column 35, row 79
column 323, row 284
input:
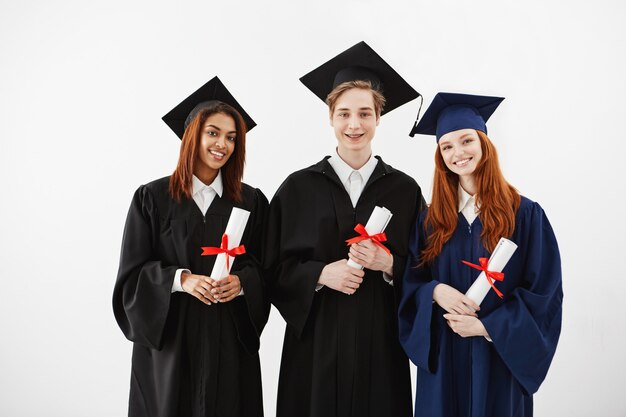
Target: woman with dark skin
column 196, row 337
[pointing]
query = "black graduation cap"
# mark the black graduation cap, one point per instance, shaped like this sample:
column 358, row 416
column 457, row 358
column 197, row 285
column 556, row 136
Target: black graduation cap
column 360, row 62
column 179, row 117
column 452, row 111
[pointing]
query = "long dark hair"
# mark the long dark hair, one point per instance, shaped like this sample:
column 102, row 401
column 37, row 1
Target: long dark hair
column 232, row 171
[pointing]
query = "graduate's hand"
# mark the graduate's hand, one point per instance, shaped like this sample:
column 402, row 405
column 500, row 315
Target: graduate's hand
column 466, row 326
column 371, row 256
column 341, row 277
column 199, row 286
column 453, row 301
column 226, row 289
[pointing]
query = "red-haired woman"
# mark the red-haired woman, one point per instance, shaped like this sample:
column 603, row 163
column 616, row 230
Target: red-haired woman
column 195, row 338
column 473, row 360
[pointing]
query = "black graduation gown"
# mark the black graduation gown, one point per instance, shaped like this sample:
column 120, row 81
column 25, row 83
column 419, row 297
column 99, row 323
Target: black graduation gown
column 472, row 377
column 341, row 355
column 189, row 359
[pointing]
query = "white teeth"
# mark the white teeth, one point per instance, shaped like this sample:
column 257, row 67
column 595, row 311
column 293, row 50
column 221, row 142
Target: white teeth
column 462, row 162
column 221, row 155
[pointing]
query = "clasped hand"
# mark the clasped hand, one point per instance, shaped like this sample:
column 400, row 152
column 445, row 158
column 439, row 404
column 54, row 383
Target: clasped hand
column 371, row 256
column 209, row 290
column 461, row 316
column 341, row 277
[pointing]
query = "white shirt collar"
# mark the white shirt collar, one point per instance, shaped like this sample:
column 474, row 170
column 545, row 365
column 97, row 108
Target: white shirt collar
column 216, row 185
column 343, row 170
column 464, row 198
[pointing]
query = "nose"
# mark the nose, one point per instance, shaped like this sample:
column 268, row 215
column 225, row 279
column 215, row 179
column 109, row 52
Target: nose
column 220, row 141
column 354, row 122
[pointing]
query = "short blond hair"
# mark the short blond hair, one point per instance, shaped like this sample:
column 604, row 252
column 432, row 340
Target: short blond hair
column 333, row 96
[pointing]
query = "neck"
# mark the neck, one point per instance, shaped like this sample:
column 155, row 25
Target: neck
column 205, row 174
column 468, row 184
column 355, row 158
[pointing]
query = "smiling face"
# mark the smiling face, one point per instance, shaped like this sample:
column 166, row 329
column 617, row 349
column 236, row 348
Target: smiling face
column 217, row 144
column 461, row 151
column 354, row 120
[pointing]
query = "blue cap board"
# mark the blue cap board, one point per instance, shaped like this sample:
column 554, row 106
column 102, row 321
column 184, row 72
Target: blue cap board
column 453, row 111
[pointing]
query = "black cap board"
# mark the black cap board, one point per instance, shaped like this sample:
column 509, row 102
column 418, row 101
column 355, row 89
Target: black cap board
column 360, row 62
column 214, row 90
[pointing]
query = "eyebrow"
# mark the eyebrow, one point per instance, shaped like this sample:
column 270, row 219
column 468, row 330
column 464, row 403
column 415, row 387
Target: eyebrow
column 217, row 128
column 347, row 109
column 447, row 142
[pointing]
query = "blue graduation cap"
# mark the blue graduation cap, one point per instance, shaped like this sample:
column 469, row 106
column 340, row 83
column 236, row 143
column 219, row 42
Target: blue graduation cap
column 452, row 111
column 213, row 91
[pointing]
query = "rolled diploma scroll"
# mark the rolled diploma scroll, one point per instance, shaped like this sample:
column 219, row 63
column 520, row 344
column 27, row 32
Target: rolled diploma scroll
column 497, row 261
column 234, row 229
column 378, row 221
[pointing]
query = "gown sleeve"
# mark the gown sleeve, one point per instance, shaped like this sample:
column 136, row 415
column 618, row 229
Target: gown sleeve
column 291, row 277
column 249, row 269
column 400, row 262
column 142, row 292
column 525, row 329
column 415, row 313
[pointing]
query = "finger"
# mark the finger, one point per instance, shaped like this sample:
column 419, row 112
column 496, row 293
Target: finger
column 217, row 293
column 355, row 256
column 358, row 250
column 220, row 282
column 352, row 285
column 200, row 297
column 231, row 294
column 204, row 285
column 467, row 310
column 468, row 301
column 367, row 244
column 206, row 293
column 220, row 287
column 210, row 297
column 357, row 272
column 452, row 317
column 209, row 280
column 355, row 279
column 224, row 291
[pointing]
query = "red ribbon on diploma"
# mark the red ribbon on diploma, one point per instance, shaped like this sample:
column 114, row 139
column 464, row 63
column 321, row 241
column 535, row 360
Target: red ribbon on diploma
column 211, row 250
column 491, row 275
column 377, row 238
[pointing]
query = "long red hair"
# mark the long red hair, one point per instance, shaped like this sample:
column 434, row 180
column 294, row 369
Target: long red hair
column 497, row 199
column 232, row 172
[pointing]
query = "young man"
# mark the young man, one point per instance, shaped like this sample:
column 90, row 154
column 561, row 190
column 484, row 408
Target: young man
column 341, row 354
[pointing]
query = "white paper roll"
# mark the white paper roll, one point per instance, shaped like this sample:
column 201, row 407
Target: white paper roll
column 378, row 221
column 234, row 229
column 497, row 261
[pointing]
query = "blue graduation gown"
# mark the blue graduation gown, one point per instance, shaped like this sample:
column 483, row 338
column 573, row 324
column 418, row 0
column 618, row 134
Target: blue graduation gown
column 472, row 376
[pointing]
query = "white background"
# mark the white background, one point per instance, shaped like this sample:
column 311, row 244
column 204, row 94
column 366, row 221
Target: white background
column 83, row 86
